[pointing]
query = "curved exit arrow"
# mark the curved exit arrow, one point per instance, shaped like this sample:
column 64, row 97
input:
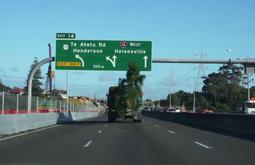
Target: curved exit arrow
column 78, row 57
column 113, row 60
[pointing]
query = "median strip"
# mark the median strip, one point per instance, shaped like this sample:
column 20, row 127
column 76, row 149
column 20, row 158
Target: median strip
column 203, row 145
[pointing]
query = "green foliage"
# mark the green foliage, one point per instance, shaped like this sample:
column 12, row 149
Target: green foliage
column 221, row 92
column 182, row 98
column 223, row 89
column 221, row 107
column 36, row 83
column 252, row 90
column 130, row 90
column 121, row 101
column 202, row 102
column 232, row 72
column 175, row 100
column 134, row 86
column 3, row 87
column 57, row 93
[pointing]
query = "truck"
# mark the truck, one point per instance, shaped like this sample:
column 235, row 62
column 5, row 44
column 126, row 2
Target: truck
column 119, row 107
column 249, row 106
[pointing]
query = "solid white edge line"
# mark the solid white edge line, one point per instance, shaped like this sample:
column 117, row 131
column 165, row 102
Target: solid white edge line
column 30, row 132
column 87, row 144
column 172, row 132
column 203, row 145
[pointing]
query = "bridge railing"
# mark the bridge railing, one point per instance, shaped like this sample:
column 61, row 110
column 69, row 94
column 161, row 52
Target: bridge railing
column 17, row 104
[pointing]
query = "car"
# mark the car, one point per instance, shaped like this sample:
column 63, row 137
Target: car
column 172, row 109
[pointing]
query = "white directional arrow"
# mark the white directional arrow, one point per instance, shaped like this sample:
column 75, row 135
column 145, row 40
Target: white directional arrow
column 113, row 60
column 78, row 57
column 145, row 61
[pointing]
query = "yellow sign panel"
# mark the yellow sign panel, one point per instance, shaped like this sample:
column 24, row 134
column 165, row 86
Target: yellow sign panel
column 71, row 64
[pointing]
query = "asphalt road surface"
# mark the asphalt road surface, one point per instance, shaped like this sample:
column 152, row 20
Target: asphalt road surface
column 152, row 142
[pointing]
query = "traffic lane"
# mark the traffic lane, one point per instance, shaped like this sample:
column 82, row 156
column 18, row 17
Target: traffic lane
column 229, row 149
column 134, row 143
column 211, row 137
column 127, row 143
column 131, row 143
column 51, row 146
column 178, row 146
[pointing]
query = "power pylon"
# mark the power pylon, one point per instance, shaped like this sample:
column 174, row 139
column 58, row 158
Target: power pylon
column 201, row 72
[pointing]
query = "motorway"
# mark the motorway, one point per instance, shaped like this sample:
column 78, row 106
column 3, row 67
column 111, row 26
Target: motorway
column 152, row 142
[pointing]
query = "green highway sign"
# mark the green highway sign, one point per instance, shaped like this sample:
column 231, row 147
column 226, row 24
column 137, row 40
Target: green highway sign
column 102, row 55
column 65, row 35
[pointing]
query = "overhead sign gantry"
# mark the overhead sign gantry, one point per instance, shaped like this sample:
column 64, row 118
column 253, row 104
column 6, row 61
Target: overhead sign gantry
column 74, row 54
column 102, row 54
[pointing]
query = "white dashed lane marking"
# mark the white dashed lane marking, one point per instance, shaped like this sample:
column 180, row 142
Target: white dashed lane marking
column 203, row 145
column 171, row 132
column 87, row 144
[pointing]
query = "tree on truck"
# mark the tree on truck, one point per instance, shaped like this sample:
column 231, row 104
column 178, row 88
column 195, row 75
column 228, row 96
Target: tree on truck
column 125, row 100
column 116, row 103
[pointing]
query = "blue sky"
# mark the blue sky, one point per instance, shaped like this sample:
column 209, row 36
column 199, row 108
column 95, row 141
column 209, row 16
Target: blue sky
column 177, row 29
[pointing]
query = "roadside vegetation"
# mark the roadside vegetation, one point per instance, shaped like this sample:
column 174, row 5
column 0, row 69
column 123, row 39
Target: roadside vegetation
column 222, row 91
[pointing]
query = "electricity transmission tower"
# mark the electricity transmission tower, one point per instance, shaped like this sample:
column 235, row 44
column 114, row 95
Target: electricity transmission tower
column 172, row 83
column 201, row 72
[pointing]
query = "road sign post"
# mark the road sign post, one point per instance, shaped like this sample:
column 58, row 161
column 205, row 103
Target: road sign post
column 102, row 55
column 3, row 102
column 17, row 104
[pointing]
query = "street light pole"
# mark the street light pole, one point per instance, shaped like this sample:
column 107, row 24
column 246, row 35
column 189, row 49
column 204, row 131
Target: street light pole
column 248, row 86
column 194, row 101
column 30, row 79
column 247, row 81
column 49, row 72
column 170, row 100
column 67, row 90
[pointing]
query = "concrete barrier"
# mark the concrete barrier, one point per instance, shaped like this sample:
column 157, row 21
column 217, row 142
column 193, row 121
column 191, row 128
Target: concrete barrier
column 239, row 125
column 11, row 124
